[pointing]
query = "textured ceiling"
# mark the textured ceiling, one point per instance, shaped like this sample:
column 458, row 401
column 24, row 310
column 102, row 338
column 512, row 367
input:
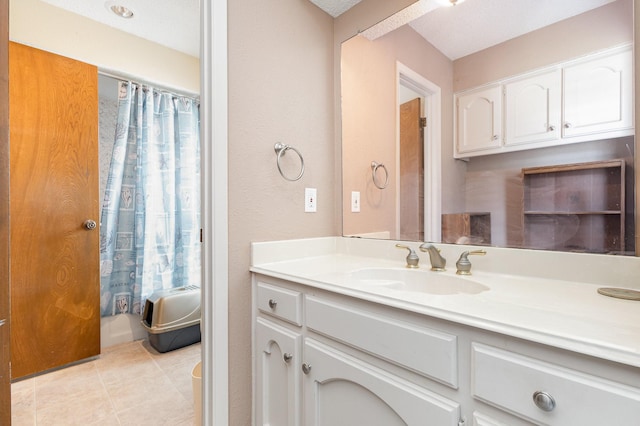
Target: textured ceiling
column 335, row 7
column 455, row 31
column 477, row 24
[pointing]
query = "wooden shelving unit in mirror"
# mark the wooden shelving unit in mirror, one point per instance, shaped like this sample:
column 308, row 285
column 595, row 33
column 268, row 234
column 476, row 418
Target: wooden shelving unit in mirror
column 575, row 207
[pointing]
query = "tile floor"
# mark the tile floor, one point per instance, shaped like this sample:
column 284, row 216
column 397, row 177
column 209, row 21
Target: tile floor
column 129, row 384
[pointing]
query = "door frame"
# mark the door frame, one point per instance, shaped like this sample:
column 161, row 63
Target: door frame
column 215, row 234
column 5, row 353
column 431, row 93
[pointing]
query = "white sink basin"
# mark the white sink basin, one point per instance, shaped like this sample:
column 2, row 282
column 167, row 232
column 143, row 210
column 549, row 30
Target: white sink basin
column 416, row 280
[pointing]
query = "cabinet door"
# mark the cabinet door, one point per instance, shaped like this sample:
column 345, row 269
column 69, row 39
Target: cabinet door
column 598, row 95
column 343, row 391
column 277, row 378
column 479, row 120
column 532, row 109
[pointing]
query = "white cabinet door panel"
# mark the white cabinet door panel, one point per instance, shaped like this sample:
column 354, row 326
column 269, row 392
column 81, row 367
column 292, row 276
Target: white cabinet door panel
column 479, row 115
column 344, row 391
column 532, row 109
column 598, row 95
column 277, row 376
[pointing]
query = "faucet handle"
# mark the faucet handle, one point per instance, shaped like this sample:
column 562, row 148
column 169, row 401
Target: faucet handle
column 463, row 264
column 412, row 257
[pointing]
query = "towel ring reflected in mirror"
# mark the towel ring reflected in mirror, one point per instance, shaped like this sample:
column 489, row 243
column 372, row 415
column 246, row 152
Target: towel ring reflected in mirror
column 374, row 174
column 281, row 149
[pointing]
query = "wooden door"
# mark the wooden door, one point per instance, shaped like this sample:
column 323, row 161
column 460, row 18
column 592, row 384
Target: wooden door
column 55, row 293
column 411, row 172
column 5, row 377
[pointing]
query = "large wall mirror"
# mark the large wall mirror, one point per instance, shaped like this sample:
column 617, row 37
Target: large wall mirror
column 493, row 122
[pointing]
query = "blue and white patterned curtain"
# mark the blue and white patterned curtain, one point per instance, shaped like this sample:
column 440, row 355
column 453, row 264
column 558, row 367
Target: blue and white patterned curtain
column 150, row 225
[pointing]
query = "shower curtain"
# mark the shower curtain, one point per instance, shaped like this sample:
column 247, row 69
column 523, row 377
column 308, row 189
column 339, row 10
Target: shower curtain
column 150, row 224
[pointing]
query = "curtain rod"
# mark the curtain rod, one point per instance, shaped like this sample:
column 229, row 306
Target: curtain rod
column 127, row 77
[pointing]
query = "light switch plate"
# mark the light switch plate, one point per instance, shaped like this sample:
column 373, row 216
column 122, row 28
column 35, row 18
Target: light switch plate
column 355, row 201
column 310, row 200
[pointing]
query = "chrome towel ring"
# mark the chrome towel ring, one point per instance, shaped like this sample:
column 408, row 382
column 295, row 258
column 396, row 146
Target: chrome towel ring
column 281, row 149
column 374, row 174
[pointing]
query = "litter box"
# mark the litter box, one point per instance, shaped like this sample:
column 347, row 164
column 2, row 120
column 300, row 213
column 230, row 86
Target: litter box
column 172, row 318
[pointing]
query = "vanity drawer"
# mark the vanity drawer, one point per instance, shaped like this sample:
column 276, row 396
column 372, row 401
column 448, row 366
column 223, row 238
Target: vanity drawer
column 280, row 302
column 509, row 381
column 423, row 350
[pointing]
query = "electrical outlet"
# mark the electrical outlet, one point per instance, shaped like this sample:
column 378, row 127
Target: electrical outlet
column 310, row 200
column 355, row 201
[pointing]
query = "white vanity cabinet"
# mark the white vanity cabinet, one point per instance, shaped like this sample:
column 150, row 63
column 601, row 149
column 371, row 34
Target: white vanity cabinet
column 582, row 100
column 340, row 389
column 278, row 352
column 545, row 393
column 325, row 358
column 479, row 119
column 345, row 365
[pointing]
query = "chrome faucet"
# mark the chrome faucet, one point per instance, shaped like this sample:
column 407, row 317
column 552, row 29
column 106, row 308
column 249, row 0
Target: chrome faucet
column 437, row 261
column 463, row 265
column 412, row 257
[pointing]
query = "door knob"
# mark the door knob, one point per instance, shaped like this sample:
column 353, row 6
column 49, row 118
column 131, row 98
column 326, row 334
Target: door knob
column 90, row 224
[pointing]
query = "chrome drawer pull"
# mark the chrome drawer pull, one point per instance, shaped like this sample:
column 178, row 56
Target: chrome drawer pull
column 272, row 303
column 544, row 401
column 287, row 357
column 306, row 368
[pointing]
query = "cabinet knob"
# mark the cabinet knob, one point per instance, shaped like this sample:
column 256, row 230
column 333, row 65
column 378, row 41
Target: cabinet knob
column 90, row 224
column 306, row 368
column 567, row 125
column 544, row 401
column 287, row 357
column 273, row 303
column 495, row 137
column 552, row 128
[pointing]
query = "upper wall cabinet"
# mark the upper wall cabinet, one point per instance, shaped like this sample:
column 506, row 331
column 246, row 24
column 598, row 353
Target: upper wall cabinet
column 598, row 95
column 582, row 100
column 479, row 119
column 532, row 108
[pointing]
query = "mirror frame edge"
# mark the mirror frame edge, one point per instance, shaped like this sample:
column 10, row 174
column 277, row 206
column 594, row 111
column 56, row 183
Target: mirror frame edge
column 636, row 101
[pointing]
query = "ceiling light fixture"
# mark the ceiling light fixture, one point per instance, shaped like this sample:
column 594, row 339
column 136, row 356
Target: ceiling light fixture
column 448, row 3
column 122, row 11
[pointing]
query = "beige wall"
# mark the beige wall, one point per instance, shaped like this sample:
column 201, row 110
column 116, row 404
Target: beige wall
column 45, row 27
column 574, row 37
column 280, row 90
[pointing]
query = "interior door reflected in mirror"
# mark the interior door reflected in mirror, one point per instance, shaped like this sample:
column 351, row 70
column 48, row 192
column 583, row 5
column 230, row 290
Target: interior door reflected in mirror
column 530, row 143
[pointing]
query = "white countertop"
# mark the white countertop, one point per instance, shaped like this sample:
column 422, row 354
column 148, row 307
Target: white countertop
column 535, row 306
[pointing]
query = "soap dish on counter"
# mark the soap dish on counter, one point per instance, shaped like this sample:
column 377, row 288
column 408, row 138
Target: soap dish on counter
column 620, row 293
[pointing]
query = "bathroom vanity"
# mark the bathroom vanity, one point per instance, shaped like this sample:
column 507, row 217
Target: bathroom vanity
column 344, row 334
